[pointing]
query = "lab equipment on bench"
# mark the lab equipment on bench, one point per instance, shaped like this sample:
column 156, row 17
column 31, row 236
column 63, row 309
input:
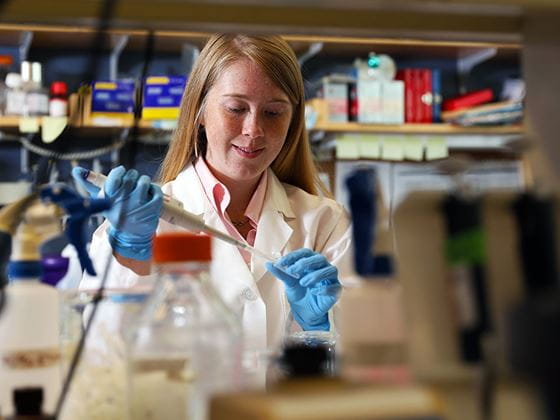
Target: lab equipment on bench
column 174, row 213
column 29, row 326
column 29, row 339
column 187, row 343
column 309, row 391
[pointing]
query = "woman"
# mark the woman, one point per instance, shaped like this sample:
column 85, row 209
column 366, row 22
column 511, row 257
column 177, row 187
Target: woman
column 241, row 159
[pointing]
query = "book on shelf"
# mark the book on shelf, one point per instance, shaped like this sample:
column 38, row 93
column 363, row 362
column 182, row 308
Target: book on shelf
column 468, row 100
column 505, row 112
column 418, row 88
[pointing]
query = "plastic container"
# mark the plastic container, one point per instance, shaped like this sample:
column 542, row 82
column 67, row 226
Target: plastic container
column 187, row 343
column 29, row 336
column 99, row 388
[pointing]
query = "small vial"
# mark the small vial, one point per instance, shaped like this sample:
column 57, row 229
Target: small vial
column 58, row 103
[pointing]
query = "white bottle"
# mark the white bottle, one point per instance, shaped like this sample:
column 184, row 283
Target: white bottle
column 15, row 96
column 29, row 326
column 36, row 97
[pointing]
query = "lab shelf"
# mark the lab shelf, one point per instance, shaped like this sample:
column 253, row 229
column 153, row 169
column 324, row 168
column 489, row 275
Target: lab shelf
column 501, row 20
column 415, row 129
column 75, row 37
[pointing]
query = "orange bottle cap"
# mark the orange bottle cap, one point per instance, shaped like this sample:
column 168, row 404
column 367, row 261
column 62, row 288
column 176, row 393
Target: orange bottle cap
column 181, row 246
column 6, row 60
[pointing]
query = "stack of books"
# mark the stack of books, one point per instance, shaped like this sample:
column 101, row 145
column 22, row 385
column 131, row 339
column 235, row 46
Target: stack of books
column 497, row 113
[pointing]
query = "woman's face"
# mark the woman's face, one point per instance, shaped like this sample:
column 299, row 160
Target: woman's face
column 246, row 118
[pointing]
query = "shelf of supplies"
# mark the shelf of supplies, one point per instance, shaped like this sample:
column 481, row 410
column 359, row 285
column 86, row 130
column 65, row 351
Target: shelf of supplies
column 353, row 127
column 10, row 124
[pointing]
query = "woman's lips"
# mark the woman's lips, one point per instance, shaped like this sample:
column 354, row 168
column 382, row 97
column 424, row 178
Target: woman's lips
column 247, row 152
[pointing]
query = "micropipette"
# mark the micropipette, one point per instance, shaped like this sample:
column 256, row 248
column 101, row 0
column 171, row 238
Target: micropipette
column 174, row 213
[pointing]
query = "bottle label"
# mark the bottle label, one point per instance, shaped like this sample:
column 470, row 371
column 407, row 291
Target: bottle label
column 58, row 108
column 15, row 101
column 30, row 359
column 37, row 103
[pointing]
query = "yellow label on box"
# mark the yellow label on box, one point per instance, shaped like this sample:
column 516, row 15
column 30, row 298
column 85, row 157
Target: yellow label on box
column 105, row 85
column 157, row 80
column 160, row 113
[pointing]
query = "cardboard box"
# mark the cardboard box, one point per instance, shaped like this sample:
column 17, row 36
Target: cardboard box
column 162, row 97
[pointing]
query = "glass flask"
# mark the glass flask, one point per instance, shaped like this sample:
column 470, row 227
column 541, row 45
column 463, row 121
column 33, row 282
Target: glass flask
column 186, row 344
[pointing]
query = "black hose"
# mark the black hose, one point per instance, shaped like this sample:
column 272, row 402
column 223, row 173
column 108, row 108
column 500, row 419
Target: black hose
column 5, row 250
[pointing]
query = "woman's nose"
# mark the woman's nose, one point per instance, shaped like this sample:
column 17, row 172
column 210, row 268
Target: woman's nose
column 252, row 126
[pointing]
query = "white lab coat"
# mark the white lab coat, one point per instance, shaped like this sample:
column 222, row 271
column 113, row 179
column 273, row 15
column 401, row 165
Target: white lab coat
column 290, row 219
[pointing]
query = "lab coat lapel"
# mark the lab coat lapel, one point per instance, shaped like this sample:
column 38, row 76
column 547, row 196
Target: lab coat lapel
column 274, row 230
column 231, row 274
column 233, row 280
column 187, row 189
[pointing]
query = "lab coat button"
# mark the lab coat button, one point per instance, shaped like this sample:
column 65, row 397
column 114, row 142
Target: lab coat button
column 249, row 294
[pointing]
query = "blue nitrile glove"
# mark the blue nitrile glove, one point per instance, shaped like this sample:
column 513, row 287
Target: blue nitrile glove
column 312, row 286
column 139, row 200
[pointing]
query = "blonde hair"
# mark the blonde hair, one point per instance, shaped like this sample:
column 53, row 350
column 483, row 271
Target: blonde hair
column 294, row 164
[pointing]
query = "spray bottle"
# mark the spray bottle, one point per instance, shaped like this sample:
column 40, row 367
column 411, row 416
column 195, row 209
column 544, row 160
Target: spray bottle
column 29, row 323
column 29, row 326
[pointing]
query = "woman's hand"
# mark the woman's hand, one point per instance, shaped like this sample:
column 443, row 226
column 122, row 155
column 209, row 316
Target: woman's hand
column 135, row 210
column 311, row 284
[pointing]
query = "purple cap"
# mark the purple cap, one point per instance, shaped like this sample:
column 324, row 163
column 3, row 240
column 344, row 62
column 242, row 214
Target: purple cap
column 54, row 268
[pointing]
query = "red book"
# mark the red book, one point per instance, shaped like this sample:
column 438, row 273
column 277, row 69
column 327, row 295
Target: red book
column 426, row 100
column 406, row 76
column 416, row 88
column 468, row 100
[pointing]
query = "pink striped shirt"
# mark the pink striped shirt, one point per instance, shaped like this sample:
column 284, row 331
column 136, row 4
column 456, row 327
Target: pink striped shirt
column 220, row 197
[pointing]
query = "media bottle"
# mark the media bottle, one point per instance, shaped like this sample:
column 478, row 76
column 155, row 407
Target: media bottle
column 186, row 343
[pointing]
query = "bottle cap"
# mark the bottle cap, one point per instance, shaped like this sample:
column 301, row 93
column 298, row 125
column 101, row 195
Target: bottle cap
column 54, row 269
column 59, row 88
column 181, row 246
column 6, row 60
column 28, row 401
column 26, row 72
column 13, row 80
column 37, row 73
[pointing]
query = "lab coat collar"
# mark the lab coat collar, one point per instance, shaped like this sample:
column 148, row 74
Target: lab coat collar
column 277, row 198
column 273, row 231
column 193, row 197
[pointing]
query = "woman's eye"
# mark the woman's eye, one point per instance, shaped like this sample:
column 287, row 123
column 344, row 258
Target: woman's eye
column 273, row 112
column 235, row 110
